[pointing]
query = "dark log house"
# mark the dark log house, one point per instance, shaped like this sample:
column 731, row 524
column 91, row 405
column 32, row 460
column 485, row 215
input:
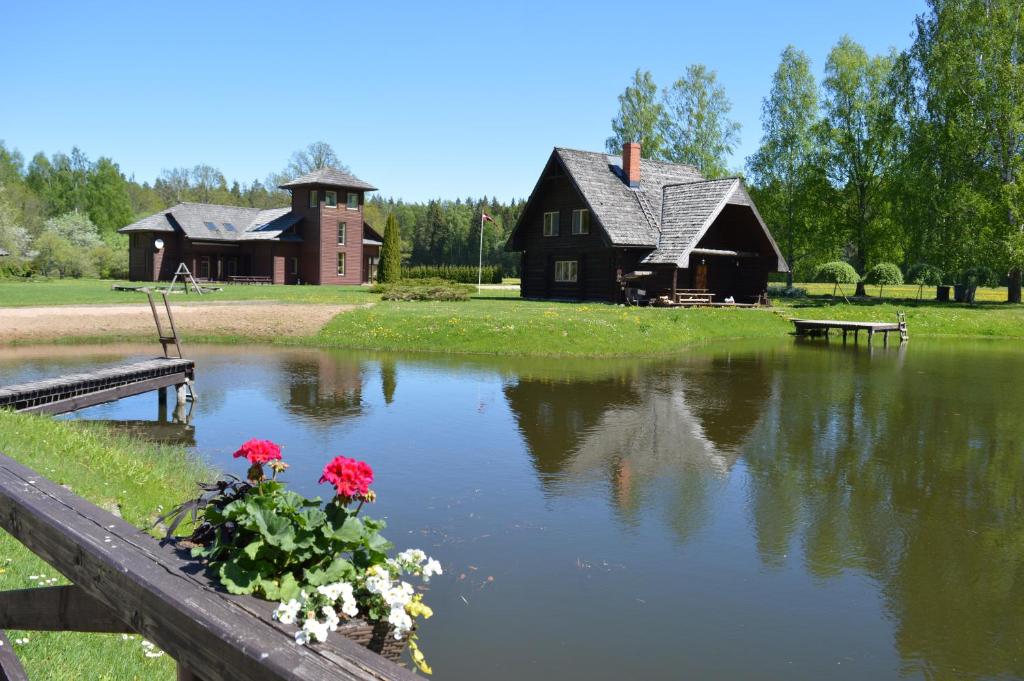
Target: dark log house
column 321, row 239
column 596, row 222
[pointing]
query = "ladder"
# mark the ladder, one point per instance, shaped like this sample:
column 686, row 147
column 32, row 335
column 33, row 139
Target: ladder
column 166, row 340
column 186, row 279
column 901, row 318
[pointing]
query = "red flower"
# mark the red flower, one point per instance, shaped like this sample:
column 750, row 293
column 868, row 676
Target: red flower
column 350, row 478
column 259, row 451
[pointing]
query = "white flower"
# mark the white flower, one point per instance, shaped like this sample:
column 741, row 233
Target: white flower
column 316, row 629
column 412, row 556
column 378, row 581
column 432, row 568
column 400, row 620
column 332, row 617
column 332, row 591
column 399, row 596
column 286, row 612
column 301, row 637
column 348, row 601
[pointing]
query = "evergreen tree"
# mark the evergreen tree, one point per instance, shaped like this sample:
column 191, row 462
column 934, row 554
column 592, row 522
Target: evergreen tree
column 390, row 268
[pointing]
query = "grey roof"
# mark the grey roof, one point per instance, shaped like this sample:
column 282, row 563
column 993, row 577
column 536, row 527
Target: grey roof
column 629, row 216
column 669, row 212
column 330, row 176
column 213, row 222
column 687, row 211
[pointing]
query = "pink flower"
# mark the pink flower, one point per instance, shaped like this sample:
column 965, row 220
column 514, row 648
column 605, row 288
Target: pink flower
column 351, row 478
column 259, row 451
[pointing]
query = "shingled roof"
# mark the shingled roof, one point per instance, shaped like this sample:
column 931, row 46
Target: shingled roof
column 329, row 176
column 668, row 212
column 213, row 222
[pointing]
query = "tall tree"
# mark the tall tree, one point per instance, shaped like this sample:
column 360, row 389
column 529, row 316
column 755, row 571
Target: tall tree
column 390, row 268
column 639, row 118
column 107, row 201
column 696, row 125
column 858, row 135
column 784, row 168
column 314, row 156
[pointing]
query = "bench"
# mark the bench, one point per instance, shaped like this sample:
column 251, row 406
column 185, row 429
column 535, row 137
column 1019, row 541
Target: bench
column 125, row 581
column 249, row 279
column 693, row 296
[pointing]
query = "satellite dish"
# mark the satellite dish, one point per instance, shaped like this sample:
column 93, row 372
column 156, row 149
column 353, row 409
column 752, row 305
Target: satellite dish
column 159, row 243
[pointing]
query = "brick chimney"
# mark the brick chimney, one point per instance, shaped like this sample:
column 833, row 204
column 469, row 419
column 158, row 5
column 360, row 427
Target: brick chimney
column 631, row 163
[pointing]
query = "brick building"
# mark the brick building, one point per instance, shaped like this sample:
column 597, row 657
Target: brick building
column 322, row 238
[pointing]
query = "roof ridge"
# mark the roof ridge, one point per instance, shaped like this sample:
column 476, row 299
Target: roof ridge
column 703, row 181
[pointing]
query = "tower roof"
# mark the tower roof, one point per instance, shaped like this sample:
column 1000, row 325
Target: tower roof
column 331, row 177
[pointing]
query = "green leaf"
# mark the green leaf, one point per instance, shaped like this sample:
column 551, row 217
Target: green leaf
column 351, row 531
column 276, row 530
column 252, row 548
column 289, row 587
column 238, row 579
column 339, row 569
column 271, row 590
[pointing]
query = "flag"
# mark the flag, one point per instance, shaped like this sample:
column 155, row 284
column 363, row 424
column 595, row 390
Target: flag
column 488, row 217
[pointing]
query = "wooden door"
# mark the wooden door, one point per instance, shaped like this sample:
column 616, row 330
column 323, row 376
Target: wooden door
column 700, row 276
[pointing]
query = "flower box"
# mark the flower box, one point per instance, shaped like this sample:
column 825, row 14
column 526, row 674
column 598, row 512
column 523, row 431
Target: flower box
column 377, row 636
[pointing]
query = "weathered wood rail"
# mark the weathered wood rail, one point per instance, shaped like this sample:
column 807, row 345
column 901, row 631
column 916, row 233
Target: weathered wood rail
column 126, row 581
column 77, row 391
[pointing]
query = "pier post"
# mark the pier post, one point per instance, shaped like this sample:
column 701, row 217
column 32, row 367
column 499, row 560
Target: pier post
column 161, row 396
column 180, row 393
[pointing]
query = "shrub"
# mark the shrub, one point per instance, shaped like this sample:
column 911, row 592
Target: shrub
column 979, row 276
column 424, row 289
column 923, row 275
column 390, row 269
column 786, row 291
column 884, row 274
column 836, row 273
column 465, row 274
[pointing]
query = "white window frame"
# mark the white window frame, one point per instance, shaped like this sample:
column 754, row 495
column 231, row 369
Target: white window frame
column 551, row 223
column 341, row 263
column 578, row 226
column 331, row 199
column 567, row 271
column 348, row 201
column 342, row 232
column 314, row 201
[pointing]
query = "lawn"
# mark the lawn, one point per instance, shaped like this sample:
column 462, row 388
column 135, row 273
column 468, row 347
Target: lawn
column 111, row 471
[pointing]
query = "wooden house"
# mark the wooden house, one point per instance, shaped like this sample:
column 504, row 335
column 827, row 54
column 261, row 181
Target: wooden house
column 322, row 238
column 596, row 225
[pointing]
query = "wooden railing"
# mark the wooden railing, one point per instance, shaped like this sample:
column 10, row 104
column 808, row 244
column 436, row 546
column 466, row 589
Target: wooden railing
column 126, row 581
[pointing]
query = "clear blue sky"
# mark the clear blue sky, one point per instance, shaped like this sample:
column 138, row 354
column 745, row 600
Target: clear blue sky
column 424, row 99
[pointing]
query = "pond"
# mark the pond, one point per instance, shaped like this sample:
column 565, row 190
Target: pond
column 781, row 510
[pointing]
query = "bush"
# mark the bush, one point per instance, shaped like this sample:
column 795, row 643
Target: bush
column 786, row 292
column 465, row 274
column 922, row 274
column 424, row 289
column 836, row 273
column 978, row 276
column 884, row 274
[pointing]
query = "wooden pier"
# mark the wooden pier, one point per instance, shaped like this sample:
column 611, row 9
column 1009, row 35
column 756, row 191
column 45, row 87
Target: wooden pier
column 822, row 327
column 77, row 391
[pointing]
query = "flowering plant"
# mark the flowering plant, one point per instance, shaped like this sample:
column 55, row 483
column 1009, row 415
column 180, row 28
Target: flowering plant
column 322, row 561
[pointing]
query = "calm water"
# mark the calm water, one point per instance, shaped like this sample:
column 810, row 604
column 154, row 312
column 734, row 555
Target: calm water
column 782, row 511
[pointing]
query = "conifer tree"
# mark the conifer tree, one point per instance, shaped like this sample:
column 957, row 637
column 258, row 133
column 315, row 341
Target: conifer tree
column 390, row 268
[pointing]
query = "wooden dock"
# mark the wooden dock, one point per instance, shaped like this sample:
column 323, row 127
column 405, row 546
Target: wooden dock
column 822, row 327
column 77, row 391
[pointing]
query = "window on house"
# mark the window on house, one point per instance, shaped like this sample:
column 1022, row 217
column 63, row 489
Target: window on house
column 551, row 224
column 330, row 199
column 342, row 227
column 313, row 201
column 341, row 264
column 581, row 221
column 353, row 200
column 295, row 266
column 566, row 271
column 204, row 267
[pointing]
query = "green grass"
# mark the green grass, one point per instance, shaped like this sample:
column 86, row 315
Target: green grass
column 23, row 293
column 904, row 292
column 107, row 470
column 519, row 327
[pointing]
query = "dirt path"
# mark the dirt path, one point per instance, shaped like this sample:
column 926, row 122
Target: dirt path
column 257, row 320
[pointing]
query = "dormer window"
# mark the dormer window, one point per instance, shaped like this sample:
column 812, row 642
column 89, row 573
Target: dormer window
column 551, row 223
column 581, row 221
column 331, row 199
column 313, row 199
column 353, row 201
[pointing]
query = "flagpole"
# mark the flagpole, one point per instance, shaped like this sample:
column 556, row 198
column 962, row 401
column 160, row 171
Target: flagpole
column 480, row 262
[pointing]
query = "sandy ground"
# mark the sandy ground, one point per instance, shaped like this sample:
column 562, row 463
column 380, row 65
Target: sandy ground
column 258, row 320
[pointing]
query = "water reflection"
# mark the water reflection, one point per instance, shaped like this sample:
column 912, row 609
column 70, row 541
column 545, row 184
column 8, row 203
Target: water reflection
column 799, row 510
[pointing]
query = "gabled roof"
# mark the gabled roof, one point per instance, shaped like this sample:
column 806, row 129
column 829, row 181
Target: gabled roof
column 214, row 222
column 370, row 236
column 669, row 212
column 329, row 176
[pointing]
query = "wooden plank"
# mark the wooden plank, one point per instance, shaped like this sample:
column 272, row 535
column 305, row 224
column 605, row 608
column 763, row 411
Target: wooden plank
column 10, row 665
column 109, row 395
column 57, row 608
column 162, row 594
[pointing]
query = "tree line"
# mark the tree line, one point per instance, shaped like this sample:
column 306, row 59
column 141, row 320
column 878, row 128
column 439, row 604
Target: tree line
column 913, row 157
column 59, row 214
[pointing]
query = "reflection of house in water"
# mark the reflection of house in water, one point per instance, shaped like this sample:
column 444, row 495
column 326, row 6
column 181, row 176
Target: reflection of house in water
column 668, row 420
column 322, row 386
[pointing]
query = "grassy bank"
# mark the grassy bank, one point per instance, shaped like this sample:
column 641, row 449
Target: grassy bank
column 111, row 471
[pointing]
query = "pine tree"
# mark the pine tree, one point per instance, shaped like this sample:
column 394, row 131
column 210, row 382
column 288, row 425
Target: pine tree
column 390, row 268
